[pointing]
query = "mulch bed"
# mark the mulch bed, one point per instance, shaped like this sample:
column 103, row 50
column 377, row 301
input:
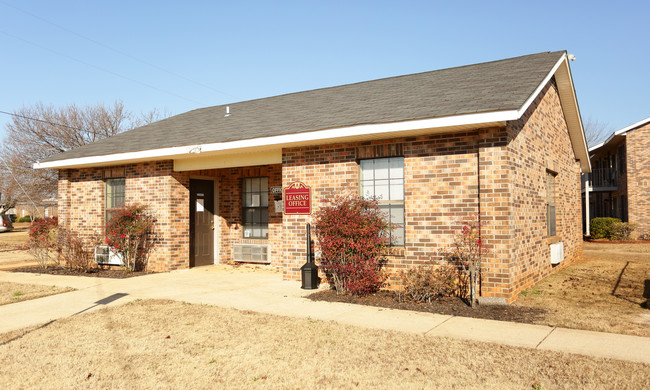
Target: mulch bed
column 95, row 272
column 447, row 305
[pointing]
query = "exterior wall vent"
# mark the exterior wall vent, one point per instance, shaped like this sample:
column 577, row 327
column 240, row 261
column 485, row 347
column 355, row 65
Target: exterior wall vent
column 557, row 252
column 251, row 253
column 106, row 255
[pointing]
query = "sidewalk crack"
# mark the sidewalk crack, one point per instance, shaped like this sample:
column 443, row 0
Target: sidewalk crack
column 428, row 331
column 545, row 337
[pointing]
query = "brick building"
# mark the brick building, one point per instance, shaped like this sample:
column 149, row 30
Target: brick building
column 619, row 184
column 502, row 138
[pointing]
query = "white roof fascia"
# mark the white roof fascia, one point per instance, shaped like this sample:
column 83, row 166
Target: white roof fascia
column 621, row 132
column 572, row 116
column 287, row 139
column 541, row 86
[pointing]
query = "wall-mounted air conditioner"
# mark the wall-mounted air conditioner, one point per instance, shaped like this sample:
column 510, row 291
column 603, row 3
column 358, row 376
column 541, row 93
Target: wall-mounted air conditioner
column 250, row 253
column 107, row 255
column 557, row 252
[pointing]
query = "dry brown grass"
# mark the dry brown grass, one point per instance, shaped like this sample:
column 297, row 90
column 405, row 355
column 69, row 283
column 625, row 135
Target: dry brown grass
column 16, row 292
column 163, row 344
column 16, row 237
column 603, row 292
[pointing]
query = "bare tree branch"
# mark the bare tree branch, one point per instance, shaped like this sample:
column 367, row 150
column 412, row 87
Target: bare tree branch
column 40, row 131
column 596, row 132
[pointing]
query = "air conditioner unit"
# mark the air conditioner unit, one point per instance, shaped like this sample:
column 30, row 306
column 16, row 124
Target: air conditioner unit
column 557, row 252
column 250, row 253
column 107, row 255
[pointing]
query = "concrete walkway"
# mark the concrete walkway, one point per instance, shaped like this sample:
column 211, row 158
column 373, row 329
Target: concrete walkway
column 267, row 293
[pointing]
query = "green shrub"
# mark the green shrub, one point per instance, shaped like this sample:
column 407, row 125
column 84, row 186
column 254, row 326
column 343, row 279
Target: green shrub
column 26, row 218
column 428, row 282
column 602, row 227
column 621, row 231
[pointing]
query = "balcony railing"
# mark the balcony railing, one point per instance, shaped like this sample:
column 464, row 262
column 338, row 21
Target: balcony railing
column 600, row 177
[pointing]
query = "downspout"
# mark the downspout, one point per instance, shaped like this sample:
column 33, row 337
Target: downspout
column 478, row 198
column 587, row 180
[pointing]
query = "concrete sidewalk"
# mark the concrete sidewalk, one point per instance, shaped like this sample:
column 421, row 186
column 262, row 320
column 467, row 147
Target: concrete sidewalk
column 266, row 293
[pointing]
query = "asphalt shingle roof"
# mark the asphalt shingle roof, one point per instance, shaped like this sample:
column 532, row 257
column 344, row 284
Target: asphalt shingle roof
column 486, row 87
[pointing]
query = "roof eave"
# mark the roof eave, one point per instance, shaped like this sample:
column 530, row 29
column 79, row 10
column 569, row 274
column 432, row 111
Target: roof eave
column 572, row 116
column 621, row 132
column 341, row 134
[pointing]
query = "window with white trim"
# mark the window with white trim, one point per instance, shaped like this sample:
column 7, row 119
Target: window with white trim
column 255, row 207
column 383, row 178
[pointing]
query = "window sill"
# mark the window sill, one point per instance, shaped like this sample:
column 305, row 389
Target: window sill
column 394, row 251
column 553, row 240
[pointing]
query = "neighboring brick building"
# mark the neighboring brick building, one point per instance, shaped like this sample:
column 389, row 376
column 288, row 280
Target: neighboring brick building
column 619, row 185
column 503, row 139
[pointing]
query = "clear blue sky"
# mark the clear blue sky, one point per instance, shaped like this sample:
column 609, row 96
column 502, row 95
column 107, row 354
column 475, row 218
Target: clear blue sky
column 204, row 53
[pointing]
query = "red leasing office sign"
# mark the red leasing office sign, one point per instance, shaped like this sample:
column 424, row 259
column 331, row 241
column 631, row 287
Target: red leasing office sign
column 297, row 199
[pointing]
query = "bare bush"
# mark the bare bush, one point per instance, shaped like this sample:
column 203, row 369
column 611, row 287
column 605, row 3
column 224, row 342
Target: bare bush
column 428, row 282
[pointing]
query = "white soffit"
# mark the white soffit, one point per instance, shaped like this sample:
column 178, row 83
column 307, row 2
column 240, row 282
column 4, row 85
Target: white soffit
column 221, row 160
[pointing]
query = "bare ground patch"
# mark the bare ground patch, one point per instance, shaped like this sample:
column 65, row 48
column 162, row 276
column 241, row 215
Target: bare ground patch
column 163, row 344
column 17, row 292
column 603, row 292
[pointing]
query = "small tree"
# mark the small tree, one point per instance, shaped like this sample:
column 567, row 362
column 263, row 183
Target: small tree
column 42, row 240
column 352, row 233
column 466, row 251
column 130, row 232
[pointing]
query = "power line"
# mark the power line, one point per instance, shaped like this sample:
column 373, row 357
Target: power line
column 118, row 51
column 19, row 184
column 100, row 68
column 43, row 121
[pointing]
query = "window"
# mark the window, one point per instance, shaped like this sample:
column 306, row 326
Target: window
column 114, row 196
column 550, row 204
column 383, row 178
column 256, row 207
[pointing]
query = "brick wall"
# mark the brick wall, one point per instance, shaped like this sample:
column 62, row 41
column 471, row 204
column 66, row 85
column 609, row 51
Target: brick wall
column 638, row 177
column 82, row 205
column 538, row 142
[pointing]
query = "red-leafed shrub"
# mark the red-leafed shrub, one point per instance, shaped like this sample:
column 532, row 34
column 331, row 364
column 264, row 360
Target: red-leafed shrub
column 352, row 233
column 42, row 242
column 131, row 232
